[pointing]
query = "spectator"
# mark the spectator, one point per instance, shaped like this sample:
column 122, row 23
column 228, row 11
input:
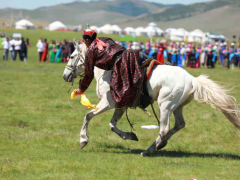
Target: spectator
column 52, row 50
column 11, row 49
column 24, row 50
column 28, row 42
column 40, row 48
column 45, row 52
column 6, row 46
column 17, row 48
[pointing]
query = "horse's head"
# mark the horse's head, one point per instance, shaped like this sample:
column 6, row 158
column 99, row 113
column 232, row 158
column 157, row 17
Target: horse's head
column 75, row 65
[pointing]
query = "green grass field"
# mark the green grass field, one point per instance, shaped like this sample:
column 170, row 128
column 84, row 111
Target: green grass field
column 39, row 131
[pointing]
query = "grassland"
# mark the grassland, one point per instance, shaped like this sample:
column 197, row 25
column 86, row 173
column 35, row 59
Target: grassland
column 39, row 131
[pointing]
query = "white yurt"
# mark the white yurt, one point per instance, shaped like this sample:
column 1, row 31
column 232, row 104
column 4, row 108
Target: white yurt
column 197, row 36
column 169, row 30
column 106, row 29
column 129, row 31
column 95, row 28
column 140, row 31
column 177, row 35
column 159, row 31
column 116, row 29
column 24, row 24
column 153, row 30
column 56, row 26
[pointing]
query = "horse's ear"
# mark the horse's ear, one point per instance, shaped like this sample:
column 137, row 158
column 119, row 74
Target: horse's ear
column 76, row 45
column 75, row 42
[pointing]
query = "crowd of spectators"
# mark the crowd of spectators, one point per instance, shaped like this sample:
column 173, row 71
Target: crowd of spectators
column 177, row 53
column 55, row 51
column 194, row 56
column 15, row 47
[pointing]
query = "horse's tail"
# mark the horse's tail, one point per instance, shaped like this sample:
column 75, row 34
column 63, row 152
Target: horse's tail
column 217, row 96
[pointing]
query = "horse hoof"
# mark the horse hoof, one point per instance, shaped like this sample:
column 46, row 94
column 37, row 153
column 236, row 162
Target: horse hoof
column 144, row 154
column 83, row 144
column 134, row 137
column 162, row 145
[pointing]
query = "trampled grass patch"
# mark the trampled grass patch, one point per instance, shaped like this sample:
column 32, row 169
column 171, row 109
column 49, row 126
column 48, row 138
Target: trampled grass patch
column 39, row 133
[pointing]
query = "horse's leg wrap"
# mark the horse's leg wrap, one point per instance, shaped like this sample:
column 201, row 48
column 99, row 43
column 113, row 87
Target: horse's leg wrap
column 113, row 126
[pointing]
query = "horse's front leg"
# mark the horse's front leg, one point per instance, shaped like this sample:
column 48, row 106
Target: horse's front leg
column 113, row 126
column 103, row 106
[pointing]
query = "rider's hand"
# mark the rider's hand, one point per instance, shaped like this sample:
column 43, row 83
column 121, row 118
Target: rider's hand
column 78, row 91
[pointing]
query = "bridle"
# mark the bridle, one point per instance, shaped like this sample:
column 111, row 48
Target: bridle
column 73, row 67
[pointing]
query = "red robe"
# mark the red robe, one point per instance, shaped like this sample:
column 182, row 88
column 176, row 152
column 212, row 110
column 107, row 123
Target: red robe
column 126, row 75
column 160, row 56
column 45, row 52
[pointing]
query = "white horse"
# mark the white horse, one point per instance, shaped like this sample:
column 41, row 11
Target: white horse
column 172, row 87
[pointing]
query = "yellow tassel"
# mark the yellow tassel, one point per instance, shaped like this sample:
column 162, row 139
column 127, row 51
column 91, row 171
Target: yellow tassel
column 84, row 100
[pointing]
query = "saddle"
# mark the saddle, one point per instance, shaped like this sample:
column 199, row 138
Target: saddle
column 144, row 99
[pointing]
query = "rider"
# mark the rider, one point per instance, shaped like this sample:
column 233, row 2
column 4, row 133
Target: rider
column 127, row 73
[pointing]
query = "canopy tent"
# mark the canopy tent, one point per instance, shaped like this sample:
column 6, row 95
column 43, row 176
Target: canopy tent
column 129, row 31
column 197, row 36
column 56, row 26
column 24, row 24
column 140, row 31
column 215, row 37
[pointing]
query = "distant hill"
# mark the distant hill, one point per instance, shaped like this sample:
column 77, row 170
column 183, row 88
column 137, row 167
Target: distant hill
column 219, row 16
column 93, row 12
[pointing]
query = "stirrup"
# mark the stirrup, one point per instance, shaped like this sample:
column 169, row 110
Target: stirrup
column 147, row 62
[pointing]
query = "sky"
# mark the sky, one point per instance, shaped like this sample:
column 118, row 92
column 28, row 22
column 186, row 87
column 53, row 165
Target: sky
column 32, row 4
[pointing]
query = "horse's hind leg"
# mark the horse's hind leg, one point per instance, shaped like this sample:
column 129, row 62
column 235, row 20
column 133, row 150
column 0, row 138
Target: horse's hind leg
column 113, row 126
column 179, row 124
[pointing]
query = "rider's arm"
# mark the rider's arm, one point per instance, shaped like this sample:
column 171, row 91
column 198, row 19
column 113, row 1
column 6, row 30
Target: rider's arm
column 89, row 70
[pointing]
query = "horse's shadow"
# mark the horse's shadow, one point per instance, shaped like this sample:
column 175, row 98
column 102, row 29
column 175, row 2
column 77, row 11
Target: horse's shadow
column 177, row 154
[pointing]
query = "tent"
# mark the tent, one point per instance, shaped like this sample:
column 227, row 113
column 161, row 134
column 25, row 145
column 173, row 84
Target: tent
column 95, row 28
column 56, row 26
column 116, row 29
column 106, row 29
column 197, row 36
column 129, row 31
column 177, row 35
column 159, row 31
column 169, row 30
column 215, row 37
column 24, row 24
column 140, row 31
column 153, row 30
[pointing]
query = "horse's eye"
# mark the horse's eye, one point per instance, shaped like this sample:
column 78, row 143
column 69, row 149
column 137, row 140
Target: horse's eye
column 71, row 57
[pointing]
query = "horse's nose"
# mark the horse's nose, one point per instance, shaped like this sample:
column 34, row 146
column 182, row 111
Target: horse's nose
column 65, row 77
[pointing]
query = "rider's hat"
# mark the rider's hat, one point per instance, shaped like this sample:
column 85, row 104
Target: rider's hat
column 89, row 34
